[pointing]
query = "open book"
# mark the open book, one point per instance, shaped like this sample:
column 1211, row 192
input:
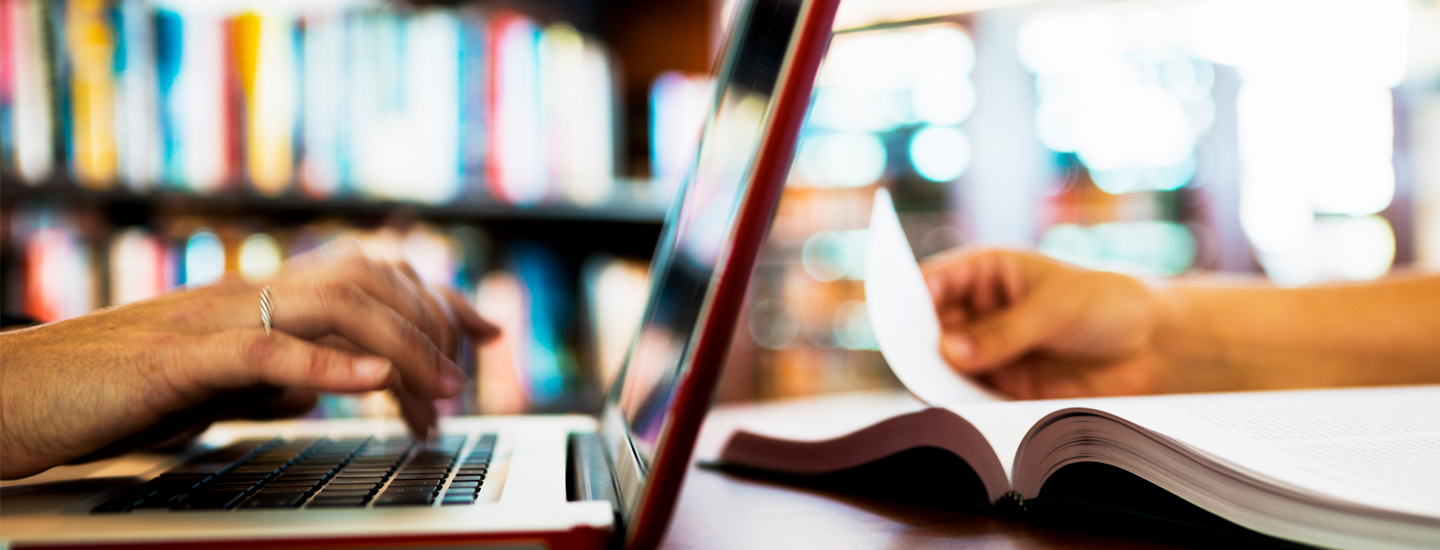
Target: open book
column 1352, row 468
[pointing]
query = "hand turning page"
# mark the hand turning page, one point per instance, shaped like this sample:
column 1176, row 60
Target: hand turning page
column 902, row 314
column 1337, row 468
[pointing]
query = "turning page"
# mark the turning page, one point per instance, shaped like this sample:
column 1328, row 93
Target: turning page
column 903, row 317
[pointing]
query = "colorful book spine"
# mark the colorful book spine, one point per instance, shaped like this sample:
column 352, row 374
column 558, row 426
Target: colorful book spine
column 90, row 43
column 475, row 81
column 265, row 63
column 196, row 98
column 578, row 109
column 168, row 36
column 550, row 365
column 28, row 124
column 137, row 116
column 59, row 276
column 323, row 158
column 517, row 168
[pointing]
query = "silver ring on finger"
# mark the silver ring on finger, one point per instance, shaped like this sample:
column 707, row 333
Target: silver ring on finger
column 267, row 306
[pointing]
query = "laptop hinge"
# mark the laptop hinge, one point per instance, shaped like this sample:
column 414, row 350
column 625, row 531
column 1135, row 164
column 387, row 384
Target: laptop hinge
column 591, row 476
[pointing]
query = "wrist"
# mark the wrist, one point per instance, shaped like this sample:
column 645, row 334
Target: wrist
column 1187, row 354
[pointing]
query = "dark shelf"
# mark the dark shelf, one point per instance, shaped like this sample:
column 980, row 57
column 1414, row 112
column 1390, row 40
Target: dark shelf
column 628, row 205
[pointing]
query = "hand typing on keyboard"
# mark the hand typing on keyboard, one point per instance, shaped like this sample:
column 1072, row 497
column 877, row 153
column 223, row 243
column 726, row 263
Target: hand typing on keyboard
column 152, row 371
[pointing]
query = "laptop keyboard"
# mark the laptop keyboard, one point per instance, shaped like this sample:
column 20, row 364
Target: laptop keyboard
column 319, row 473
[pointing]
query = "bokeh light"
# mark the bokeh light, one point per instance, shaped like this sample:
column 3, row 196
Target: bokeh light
column 137, row 266
column 204, row 259
column 260, row 257
column 832, row 255
column 883, row 86
column 1118, row 89
column 852, row 327
column 1147, row 248
column 940, row 153
column 842, row 159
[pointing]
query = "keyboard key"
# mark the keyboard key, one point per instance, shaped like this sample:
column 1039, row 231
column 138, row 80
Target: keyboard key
column 467, row 484
column 344, row 493
column 362, row 464
column 346, row 474
column 362, row 472
column 457, row 500
column 177, row 478
column 154, row 503
column 234, row 480
column 274, row 500
column 262, row 470
column 412, row 489
column 300, row 476
column 346, row 502
column 294, row 484
column 415, row 482
column 438, row 471
column 163, row 488
column 210, row 500
column 476, row 477
column 226, row 487
column 403, row 499
column 356, row 481
column 320, row 469
column 206, row 468
column 412, row 477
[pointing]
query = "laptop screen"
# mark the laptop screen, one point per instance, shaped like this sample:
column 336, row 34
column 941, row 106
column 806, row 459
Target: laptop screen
column 697, row 232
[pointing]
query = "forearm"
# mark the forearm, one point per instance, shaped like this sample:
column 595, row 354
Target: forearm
column 1245, row 337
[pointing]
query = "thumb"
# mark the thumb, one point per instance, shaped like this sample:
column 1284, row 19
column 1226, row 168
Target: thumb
column 994, row 340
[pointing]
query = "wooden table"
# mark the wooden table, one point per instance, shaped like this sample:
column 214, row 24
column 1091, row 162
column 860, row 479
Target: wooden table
column 719, row 510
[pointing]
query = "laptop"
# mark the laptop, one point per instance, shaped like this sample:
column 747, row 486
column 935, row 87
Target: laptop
column 564, row 481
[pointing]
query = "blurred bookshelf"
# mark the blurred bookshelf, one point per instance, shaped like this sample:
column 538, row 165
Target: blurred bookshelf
column 152, row 145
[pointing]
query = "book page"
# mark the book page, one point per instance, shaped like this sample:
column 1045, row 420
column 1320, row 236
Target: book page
column 1005, row 423
column 837, row 432
column 903, row 317
column 1378, row 447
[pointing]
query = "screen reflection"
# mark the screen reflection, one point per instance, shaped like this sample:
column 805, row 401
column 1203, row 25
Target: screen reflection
column 696, row 238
